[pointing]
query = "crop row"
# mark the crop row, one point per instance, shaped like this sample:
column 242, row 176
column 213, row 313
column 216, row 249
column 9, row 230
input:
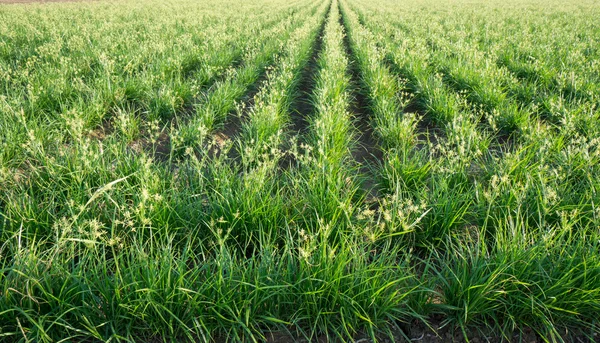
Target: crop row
column 504, row 216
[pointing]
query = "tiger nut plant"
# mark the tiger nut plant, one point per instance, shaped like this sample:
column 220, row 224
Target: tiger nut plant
column 300, row 171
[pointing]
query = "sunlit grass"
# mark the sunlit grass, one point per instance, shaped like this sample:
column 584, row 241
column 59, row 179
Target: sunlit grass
column 153, row 186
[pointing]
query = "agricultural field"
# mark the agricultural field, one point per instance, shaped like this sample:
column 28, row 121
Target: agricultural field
column 305, row 170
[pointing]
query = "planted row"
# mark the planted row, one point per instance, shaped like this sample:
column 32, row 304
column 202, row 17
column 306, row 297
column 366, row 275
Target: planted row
column 501, row 223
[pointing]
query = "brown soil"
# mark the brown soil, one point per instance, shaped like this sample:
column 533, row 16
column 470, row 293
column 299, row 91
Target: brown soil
column 436, row 333
column 160, row 149
column 302, row 107
column 367, row 152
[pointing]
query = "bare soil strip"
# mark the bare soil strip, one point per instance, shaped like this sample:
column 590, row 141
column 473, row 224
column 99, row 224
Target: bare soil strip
column 367, row 152
column 302, row 107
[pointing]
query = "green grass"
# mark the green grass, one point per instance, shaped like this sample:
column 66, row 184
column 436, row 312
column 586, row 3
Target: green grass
column 182, row 171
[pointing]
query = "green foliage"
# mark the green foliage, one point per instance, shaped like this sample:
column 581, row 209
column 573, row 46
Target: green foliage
column 158, row 183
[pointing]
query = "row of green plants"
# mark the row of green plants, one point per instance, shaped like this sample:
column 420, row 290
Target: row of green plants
column 67, row 151
column 503, row 222
column 213, row 111
column 81, row 222
column 70, row 77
